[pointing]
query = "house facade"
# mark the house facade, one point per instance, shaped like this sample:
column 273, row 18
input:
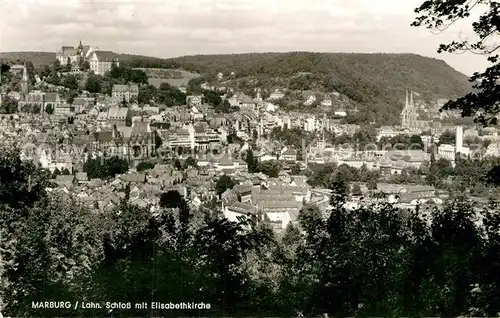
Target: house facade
column 126, row 93
column 101, row 61
column 38, row 101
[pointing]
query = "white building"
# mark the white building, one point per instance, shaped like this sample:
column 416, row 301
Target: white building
column 128, row 92
column 447, row 152
column 450, row 152
column 101, row 61
column 493, row 149
column 386, row 131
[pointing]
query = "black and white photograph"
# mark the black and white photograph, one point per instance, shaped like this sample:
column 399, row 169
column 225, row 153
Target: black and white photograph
column 249, row 158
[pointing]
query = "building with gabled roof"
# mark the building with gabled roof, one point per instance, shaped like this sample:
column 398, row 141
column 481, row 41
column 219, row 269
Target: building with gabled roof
column 233, row 210
column 101, row 61
column 117, row 116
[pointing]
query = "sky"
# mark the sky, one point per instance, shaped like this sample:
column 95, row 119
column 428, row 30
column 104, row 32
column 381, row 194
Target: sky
column 170, row 28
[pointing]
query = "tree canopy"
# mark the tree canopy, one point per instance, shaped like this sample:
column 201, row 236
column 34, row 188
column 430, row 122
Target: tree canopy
column 375, row 260
column 8, row 105
column 102, row 168
column 223, row 183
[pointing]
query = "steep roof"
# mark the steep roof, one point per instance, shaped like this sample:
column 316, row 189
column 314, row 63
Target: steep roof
column 105, row 56
column 242, row 208
column 67, row 50
column 117, row 113
column 199, row 129
column 139, row 128
column 51, row 97
column 65, row 178
column 79, row 101
column 125, row 88
column 279, row 204
column 86, row 48
column 134, row 177
column 243, row 188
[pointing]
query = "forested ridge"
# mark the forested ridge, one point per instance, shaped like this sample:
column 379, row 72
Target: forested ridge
column 377, row 82
column 374, row 261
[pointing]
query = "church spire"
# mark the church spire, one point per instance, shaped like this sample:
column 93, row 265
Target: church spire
column 406, row 102
column 411, row 98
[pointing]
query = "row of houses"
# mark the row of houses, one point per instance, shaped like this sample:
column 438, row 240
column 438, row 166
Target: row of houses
column 275, row 200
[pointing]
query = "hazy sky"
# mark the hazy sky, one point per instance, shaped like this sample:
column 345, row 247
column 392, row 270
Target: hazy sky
column 168, row 28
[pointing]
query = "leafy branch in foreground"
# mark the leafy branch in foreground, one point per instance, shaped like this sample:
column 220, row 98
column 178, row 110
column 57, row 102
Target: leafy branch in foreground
column 484, row 102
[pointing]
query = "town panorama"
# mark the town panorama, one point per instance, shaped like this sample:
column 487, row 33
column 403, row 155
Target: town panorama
column 261, row 184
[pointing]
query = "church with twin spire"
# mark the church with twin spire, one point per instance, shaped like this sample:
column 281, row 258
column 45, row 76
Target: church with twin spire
column 409, row 115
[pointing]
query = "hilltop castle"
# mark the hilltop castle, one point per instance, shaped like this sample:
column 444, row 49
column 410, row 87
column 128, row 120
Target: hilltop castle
column 99, row 61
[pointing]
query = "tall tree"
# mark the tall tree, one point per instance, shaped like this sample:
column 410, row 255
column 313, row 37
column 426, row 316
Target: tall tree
column 56, row 245
column 225, row 182
column 93, row 83
column 70, row 82
column 8, row 105
column 252, row 162
column 21, row 183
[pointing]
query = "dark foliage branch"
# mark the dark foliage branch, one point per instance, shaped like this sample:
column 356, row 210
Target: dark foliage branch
column 483, row 103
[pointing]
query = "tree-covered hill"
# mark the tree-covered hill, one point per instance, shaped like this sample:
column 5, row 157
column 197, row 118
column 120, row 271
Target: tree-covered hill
column 46, row 58
column 376, row 81
column 36, row 58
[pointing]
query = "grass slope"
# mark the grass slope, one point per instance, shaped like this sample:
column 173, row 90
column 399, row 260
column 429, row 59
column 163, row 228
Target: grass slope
column 173, row 77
